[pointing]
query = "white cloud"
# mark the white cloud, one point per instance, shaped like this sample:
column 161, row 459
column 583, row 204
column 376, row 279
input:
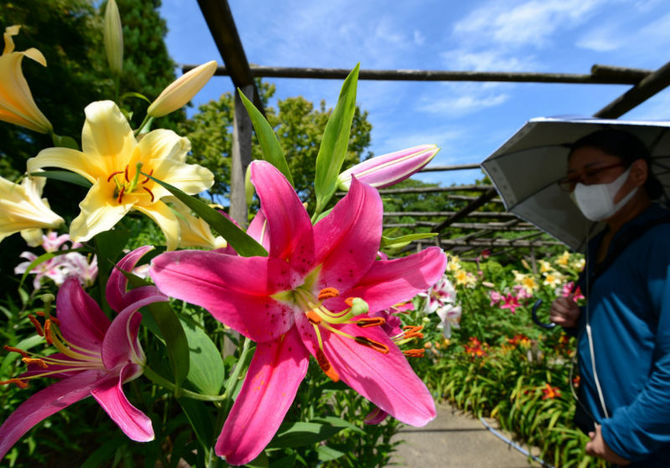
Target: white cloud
column 603, row 39
column 487, row 60
column 460, row 105
column 419, row 38
column 526, row 24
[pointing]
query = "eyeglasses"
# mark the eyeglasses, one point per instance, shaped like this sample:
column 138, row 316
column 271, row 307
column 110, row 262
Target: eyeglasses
column 567, row 184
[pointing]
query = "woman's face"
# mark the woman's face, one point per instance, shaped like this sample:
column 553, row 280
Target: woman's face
column 588, row 165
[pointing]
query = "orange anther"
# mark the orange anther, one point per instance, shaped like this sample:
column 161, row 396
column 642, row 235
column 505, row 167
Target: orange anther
column 325, row 366
column 48, row 332
column 412, row 331
column 414, row 352
column 125, row 173
column 327, row 293
column 370, row 322
column 147, row 179
column 365, row 341
column 19, row 383
column 11, row 349
column 349, row 301
column 150, row 193
column 36, row 324
column 123, row 189
column 113, row 174
column 38, row 362
column 313, row 317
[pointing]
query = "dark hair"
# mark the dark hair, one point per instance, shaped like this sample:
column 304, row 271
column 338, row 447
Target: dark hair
column 624, row 146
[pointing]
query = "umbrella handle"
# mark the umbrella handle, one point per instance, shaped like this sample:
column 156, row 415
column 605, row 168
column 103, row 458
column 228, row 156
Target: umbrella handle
column 537, row 320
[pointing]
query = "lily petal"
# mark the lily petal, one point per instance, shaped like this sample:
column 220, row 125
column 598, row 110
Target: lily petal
column 348, row 238
column 108, row 135
column 65, row 158
column 82, row 322
column 133, row 422
column 235, row 290
column 289, row 226
column 393, row 281
column 43, row 404
column 120, row 343
column 97, row 214
column 116, row 285
column 258, row 230
column 387, row 380
column 166, row 220
column 272, row 381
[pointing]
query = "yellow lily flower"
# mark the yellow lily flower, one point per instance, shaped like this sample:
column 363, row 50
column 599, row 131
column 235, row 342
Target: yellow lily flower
column 16, row 102
column 194, row 231
column 22, row 209
column 111, row 159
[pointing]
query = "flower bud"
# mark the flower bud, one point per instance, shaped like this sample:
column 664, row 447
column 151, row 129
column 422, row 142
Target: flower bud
column 182, row 90
column 113, row 37
column 389, row 169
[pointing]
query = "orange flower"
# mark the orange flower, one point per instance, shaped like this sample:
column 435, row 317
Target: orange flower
column 550, row 392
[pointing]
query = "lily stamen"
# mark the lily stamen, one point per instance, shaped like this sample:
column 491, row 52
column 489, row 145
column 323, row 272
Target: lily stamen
column 150, row 193
column 37, row 361
column 11, row 349
column 18, row 382
column 313, row 317
column 414, row 352
column 148, row 177
column 36, row 324
column 365, row 341
column 125, row 173
column 113, row 174
column 325, row 366
column 327, row 293
column 370, row 322
column 123, row 189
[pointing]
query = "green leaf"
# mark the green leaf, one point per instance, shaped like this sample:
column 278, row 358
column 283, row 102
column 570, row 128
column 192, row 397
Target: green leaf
column 300, row 434
column 272, row 152
column 403, row 241
column 25, row 344
column 335, row 142
column 64, row 176
column 328, row 453
column 243, row 244
column 176, row 344
column 261, row 461
column 201, row 420
column 206, row 369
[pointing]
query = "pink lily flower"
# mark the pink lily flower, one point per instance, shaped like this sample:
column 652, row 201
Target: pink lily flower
column 389, row 169
column 510, row 302
column 95, row 357
column 306, row 298
column 495, row 297
column 570, row 289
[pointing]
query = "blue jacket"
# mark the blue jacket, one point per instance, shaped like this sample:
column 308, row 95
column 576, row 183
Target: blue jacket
column 629, row 313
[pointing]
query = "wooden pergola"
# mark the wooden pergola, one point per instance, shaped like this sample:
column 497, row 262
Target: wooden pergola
column 480, row 226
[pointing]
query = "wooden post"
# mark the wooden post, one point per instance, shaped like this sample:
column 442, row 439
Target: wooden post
column 241, row 157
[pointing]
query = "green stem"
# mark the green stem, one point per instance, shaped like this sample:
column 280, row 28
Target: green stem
column 145, row 123
column 159, row 380
column 238, row 366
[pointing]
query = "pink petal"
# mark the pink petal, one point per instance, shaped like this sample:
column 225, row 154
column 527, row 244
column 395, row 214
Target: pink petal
column 120, row 344
column 392, row 281
column 235, row 290
column 387, row 380
column 288, row 223
column 82, row 322
column 258, row 230
column 347, row 240
column 134, row 423
column 116, row 285
column 272, row 381
column 43, row 404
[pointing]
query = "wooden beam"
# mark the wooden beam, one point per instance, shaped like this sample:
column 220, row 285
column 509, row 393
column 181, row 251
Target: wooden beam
column 652, row 84
column 453, row 188
column 472, row 206
column 476, row 214
column 240, row 159
column 435, row 75
column 458, row 167
column 224, row 32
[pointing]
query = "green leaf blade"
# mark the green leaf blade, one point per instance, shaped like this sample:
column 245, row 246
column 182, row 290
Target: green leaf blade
column 335, row 142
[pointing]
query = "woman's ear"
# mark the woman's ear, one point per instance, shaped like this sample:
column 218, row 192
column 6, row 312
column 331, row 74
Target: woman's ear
column 639, row 171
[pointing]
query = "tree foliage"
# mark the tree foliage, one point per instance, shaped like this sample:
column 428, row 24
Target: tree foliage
column 297, row 123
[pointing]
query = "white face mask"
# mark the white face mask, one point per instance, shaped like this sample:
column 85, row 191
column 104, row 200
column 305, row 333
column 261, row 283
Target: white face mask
column 596, row 202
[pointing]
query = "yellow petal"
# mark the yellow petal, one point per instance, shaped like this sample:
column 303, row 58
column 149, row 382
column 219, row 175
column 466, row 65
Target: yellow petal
column 194, row 231
column 65, row 158
column 190, row 178
column 99, row 213
column 16, row 101
column 166, row 220
column 22, row 208
column 107, row 136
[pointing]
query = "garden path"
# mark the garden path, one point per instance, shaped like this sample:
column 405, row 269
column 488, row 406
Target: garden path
column 455, row 440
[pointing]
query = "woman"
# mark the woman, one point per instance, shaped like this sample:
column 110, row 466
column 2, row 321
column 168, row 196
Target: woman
column 623, row 332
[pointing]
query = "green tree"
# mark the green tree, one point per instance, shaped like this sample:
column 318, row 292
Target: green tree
column 298, row 125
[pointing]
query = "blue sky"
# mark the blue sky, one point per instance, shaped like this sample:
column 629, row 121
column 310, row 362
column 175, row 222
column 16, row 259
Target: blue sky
column 467, row 120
